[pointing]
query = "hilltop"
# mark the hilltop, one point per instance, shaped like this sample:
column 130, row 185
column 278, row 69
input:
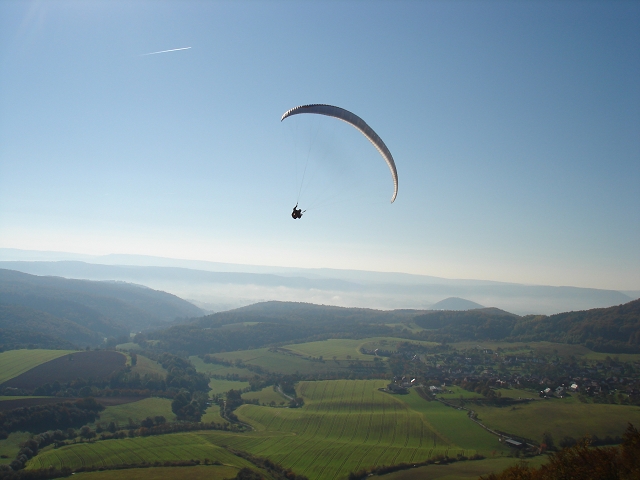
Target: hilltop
column 455, row 303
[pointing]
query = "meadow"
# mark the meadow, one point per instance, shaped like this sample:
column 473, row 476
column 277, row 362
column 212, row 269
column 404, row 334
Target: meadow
column 455, row 426
column 282, row 362
column 347, row 425
column 183, row 446
column 16, row 362
column 266, row 396
column 212, row 414
column 209, row 472
column 218, row 369
column 547, row 348
column 137, row 411
column 147, row 366
column 460, row 470
column 10, row 446
column 560, row 417
column 340, row 348
column 347, row 348
column 219, row 387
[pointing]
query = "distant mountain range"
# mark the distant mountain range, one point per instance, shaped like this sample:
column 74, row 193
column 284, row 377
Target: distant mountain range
column 83, row 312
column 220, row 286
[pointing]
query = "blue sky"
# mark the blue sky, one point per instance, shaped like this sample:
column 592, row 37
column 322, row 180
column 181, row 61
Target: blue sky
column 515, row 127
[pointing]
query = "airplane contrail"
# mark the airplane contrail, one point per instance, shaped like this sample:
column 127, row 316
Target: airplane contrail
column 165, row 51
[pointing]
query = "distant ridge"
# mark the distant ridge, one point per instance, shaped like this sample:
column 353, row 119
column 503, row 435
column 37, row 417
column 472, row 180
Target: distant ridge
column 223, row 286
column 455, row 303
column 80, row 312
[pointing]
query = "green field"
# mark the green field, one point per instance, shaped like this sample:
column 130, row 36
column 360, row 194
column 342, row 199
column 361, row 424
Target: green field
column 223, row 386
column 547, row 348
column 266, row 396
column 334, row 347
column 460, row 470
column 560, row 417
column 213, row 415
column 454, row 425
column 146, row 366
column 217, row 369
column 287, row 361
column 16, row 362
column 136, row 411
column 341, row 348
column 183, row 446
column 622, row 357
column 210, row 472
column 10, row 446
column 345, row 425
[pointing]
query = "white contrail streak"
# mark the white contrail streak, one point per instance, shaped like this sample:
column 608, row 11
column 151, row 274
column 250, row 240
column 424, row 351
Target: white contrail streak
column 165, row 51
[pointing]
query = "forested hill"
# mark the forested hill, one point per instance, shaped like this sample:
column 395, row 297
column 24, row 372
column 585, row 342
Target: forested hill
column 308, row 313
column 272, row 323
column 614, row 329
column 81, row 311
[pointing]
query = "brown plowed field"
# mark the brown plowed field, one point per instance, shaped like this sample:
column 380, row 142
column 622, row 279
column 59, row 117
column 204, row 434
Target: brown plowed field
column 29, row 402
column 92, row 364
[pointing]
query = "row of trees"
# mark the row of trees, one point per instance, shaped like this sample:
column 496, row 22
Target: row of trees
column 39, row 418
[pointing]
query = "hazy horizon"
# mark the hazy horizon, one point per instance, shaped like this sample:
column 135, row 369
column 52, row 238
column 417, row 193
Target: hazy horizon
column 222, row 286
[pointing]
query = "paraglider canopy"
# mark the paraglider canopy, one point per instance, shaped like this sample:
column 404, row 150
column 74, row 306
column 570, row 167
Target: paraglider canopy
column 355, row 121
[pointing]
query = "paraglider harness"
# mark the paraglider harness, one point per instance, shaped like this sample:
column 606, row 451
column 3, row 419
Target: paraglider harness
column 297, row 212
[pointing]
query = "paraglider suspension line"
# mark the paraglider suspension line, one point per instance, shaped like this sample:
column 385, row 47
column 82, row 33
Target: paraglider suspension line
column 304, row 172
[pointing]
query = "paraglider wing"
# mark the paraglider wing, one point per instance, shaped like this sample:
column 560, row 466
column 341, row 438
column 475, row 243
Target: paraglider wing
column 358, row 123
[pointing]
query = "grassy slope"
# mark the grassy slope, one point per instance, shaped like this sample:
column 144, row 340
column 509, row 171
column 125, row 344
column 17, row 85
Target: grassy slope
column 16, row 362
column 460, row 470
column 161, row 448
column 223, row 386
column 337, row 347
column 454, row 425
column 344, row 426
column 560, row 417
column 549, row 348
column 217, row 369
column 266, row 396
column 341, row 347
column 213, row 415
column 288, row 363
column 11, row 445
column 148, row 407
column 211, row 472
column 145, row 365
column 278, row 361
